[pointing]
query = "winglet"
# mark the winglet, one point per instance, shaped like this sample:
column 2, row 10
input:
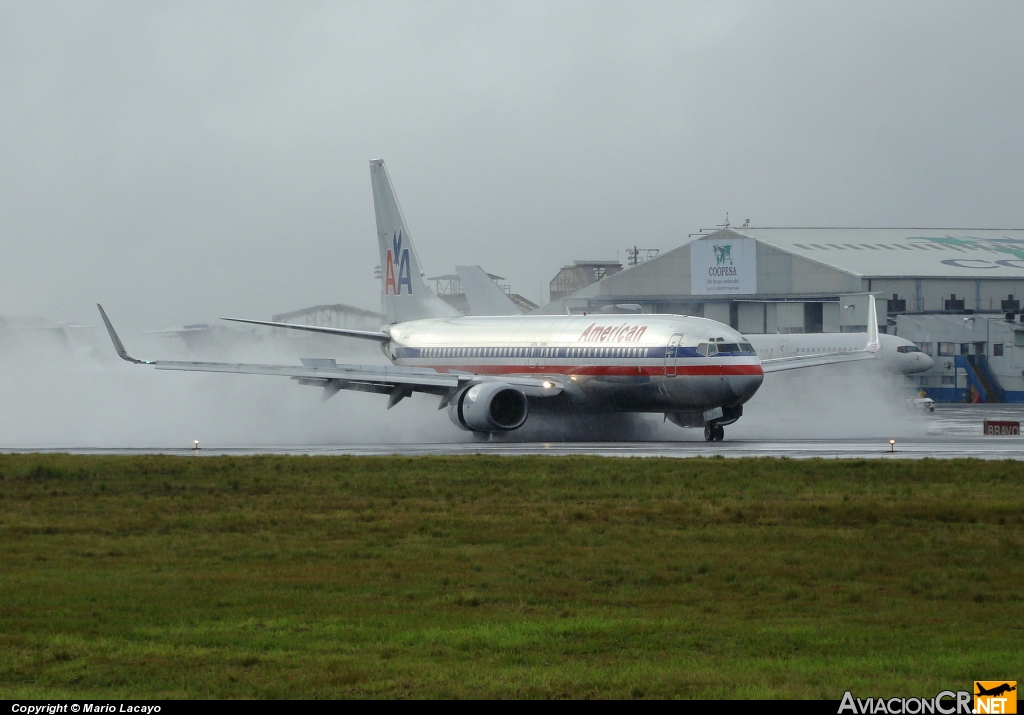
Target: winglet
column 118, row 345
column 874, row 343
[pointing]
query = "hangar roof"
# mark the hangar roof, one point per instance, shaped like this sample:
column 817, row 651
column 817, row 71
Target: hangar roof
column 902, row 252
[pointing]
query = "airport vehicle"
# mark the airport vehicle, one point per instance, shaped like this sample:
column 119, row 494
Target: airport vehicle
column 922, row 403
column 490, row 372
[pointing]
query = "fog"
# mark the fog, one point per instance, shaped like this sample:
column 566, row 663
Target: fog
column 179, row 161
column 81, row 395
column 53, row 397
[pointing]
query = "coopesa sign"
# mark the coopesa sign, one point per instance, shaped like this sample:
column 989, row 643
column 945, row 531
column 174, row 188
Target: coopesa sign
column 723, row 266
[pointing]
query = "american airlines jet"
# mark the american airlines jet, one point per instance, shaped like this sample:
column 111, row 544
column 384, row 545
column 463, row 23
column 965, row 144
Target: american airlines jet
column 490, row 372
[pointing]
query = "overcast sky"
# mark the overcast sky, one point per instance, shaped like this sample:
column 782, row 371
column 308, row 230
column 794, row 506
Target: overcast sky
column 180, row 161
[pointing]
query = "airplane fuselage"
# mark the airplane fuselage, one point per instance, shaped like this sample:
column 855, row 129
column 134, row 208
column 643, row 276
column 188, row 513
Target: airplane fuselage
column 648, row 363
column 898, row 355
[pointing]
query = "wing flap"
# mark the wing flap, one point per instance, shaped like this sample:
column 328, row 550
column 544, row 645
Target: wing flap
column 353, row 373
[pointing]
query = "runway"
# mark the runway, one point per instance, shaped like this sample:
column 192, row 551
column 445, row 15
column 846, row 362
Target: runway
column 951, row 432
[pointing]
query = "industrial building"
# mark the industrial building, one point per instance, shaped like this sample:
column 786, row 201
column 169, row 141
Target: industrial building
column 449, row 289
column 803, row 280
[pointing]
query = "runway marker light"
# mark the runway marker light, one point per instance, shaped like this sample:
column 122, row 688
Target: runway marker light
column 195, row 445
column 892, row 445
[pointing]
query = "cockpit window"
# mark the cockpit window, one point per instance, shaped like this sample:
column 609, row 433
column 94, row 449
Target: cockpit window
column 747, row 348
column 706, row 349
column 908, row 349
column 728, row 348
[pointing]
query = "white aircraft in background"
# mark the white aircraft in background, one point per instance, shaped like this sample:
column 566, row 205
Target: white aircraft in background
column 896, row 354
column 490, row 371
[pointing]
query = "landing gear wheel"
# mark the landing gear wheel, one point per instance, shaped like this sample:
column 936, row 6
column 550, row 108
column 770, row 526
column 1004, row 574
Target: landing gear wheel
column 719, row 433
column 710, row 432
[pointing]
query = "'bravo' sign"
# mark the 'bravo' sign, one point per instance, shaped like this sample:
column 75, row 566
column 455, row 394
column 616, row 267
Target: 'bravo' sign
column 995, row 427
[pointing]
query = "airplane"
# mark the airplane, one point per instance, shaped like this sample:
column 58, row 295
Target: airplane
column 896, row 354
column 996, row 691
column 490, row 372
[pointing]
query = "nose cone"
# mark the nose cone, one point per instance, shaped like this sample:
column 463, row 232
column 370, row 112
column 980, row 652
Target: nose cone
column 913, row 363
column 744, row 386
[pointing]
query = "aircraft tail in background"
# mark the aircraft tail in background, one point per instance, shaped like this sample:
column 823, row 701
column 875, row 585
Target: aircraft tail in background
column 404, row 292
column 483, row 294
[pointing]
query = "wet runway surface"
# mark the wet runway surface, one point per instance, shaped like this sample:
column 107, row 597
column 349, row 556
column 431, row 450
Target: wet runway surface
column 950, row 432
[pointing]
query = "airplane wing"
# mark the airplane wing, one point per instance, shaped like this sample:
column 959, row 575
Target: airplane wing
column 869, row 352
column 814, row 360
column 399, row 382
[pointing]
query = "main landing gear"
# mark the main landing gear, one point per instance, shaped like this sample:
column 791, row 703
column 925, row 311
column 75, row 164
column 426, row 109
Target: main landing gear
column 714, row 432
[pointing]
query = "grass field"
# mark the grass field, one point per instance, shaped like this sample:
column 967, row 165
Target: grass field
column 512, row 577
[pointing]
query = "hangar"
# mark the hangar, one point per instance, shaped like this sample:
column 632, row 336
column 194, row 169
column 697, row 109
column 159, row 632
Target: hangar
column 796, row 280
column 953, row 291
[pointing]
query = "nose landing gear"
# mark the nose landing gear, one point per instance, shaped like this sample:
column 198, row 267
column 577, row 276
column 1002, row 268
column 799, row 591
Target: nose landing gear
column 714, row 432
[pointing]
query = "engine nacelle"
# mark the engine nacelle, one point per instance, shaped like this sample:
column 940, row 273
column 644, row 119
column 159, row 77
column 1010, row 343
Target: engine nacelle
column 489, row 407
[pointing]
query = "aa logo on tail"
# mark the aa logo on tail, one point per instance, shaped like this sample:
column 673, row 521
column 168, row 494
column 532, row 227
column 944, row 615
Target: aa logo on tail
column 995, row 696
column 397, row 261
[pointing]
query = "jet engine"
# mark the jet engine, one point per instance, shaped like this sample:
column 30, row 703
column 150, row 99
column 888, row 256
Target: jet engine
column 488, row 407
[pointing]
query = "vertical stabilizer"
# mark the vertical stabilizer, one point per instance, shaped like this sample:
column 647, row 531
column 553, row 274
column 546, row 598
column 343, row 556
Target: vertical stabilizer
column 874, row 343
column 404, row 291
column 483, row 294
